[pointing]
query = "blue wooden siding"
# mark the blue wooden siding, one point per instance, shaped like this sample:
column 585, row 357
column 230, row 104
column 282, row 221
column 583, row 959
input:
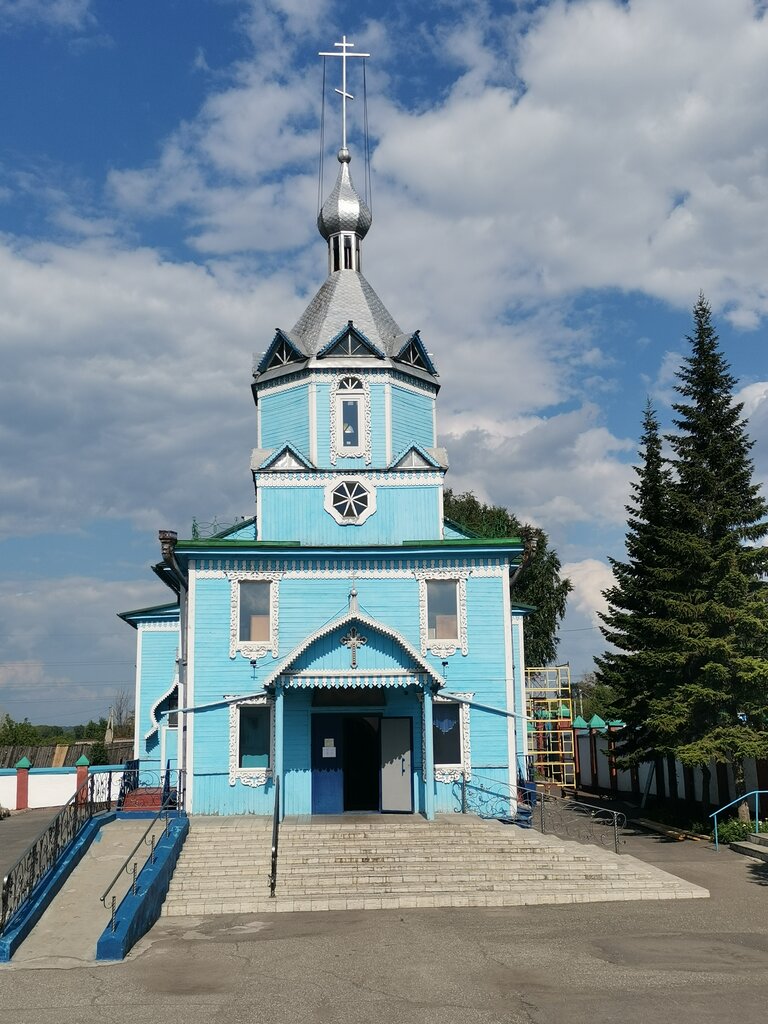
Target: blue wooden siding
column 378, row 431
column 402, row 514
column 412, row 421
column 285, row 417
column 305, row 606
column 159, row 650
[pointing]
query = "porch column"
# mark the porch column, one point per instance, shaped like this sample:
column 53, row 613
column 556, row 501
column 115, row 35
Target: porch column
column 279, row 698
column 429, row 756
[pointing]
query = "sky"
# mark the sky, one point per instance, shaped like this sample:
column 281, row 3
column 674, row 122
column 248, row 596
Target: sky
column 553, row 184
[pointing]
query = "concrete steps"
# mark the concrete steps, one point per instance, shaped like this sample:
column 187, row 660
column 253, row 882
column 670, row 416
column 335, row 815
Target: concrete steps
column 756, row 846
column 368, row 864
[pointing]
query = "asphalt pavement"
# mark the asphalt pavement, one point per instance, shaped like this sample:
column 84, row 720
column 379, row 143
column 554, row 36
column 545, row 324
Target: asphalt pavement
column 687, row 961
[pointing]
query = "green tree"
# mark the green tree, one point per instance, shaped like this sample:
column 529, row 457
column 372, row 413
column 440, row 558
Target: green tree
column 688, row 614
column 591, row 697
column 717, row 706
column 539, row 584
column 16, row 734
column 637, row 670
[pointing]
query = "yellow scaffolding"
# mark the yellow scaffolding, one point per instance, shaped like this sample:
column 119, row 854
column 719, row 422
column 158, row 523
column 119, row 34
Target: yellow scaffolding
column 550, row 724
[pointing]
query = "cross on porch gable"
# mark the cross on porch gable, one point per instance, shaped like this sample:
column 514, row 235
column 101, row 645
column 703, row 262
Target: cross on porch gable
column 353, row 640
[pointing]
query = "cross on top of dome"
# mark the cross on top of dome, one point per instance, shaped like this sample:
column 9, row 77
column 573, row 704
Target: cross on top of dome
column 345, row 217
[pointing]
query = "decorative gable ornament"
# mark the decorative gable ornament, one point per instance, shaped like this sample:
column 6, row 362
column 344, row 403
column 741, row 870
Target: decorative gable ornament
column 413, row 353
column 280, row 353
column 287, row 458
column 350, row 342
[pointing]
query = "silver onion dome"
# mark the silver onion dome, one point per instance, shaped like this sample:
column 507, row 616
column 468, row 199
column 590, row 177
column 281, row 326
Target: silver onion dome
column 344, row 209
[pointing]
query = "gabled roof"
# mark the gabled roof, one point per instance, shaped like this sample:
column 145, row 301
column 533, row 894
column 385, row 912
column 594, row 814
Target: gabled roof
column 353, row 618
column 155, row 613
column 413, row 353
column 356, row 335
column 282, row 352
column 297, row 460
column 428, row 459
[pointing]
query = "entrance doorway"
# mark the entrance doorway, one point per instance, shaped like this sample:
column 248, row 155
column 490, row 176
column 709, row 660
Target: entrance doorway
column 361, row 763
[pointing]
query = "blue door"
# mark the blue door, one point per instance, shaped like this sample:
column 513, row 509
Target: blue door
column 327, row 765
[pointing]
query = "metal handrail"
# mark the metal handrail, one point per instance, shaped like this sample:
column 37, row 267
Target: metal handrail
column 740, row 800
column 546, row 811
column 43, row 853
column 275, row 838
column 170, row 804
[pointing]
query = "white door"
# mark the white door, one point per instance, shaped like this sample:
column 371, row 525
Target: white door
column 396, row 781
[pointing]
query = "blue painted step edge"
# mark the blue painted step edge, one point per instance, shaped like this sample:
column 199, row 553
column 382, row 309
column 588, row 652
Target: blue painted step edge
column 136, row 914
column 31, row 911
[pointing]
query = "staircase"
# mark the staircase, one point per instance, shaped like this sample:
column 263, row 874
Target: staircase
column 372, row 863
column 756, row 846
column 145, row 798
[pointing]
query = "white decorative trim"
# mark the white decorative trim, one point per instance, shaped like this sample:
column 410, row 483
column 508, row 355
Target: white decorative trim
column 451, row 772
column 342, row 622
column 444, row 648
column 337, row 568
column 352, row 680
column 153, row 710
column 250, row 649
column 371, row 371
column 385, row 478
column 249, row 776
column 158, row 627
column 362, row 450
column 332, row 511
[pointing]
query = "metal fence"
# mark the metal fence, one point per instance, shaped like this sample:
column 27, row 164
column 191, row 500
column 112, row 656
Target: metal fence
column 41, row 857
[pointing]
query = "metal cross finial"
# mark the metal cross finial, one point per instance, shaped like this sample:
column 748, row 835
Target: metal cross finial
column 343, row 90
column 353, row 640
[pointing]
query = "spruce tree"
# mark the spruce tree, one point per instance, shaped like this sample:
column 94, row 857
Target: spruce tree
column 716, row 605
column 637, row 671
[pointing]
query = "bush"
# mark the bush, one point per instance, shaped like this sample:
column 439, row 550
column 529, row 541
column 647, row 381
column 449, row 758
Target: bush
column 735, row 831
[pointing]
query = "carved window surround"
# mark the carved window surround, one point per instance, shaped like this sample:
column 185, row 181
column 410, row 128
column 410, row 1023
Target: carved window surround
column 340, row 391
column 444, row 648
column 248, row 648
column 454, row 772
column 249, row 776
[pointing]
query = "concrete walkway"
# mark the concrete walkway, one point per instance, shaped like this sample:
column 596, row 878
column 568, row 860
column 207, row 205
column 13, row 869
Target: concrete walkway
column 18, row 831
column 69, row 929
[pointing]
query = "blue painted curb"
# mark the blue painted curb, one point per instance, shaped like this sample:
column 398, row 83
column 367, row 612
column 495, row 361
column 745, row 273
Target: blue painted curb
column 136, row 914
column 31, row 912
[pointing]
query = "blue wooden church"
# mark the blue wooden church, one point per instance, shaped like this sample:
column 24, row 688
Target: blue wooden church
column 347, row 639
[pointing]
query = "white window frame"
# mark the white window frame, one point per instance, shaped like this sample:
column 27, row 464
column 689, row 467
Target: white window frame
column 454, row 772
column 249, row 776
column 362, row 396
column 251, row 649
column 443, row 648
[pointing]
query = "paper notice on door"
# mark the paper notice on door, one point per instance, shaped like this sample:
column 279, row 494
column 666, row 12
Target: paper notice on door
column 329, row 751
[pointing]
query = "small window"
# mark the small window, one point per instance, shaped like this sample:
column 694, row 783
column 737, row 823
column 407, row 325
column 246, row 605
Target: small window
column 173, row 710
column 446, row 734
column 350, row 422
column 350, row 499
column 335, row 245
column 254, row 737
column 442, row 617
column 347, row 252
column 254, row 612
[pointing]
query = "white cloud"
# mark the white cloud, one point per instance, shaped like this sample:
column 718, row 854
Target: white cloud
column 590, row 577
column 57, row 14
